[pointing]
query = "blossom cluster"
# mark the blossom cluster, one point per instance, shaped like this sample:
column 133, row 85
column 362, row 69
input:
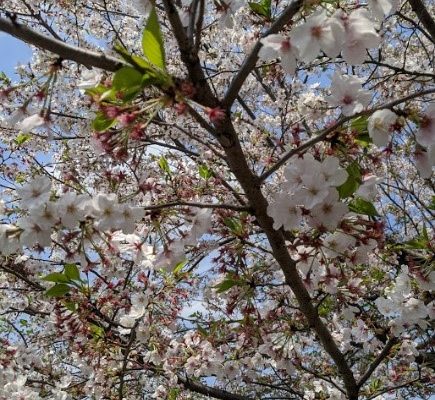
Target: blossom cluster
column 350, row 34
column 401, row 306
column 310, row 190
column 66, row 211
column 382, row 123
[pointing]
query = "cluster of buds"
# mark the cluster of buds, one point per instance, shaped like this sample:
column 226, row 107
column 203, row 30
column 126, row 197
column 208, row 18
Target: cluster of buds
column 113, row 143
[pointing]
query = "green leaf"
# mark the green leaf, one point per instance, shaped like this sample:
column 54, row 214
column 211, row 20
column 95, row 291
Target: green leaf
column 179, row 266
column 97, row 331
column 136, row 61
column 352, row 183
column 363, row 139
column 264, row 8
column 101, row 123
column 70, row 305
column 205, row 172
column 72, row 272
column 58, row 290
column 22, row 138
column 142, row 63
column 56, row 277
column 173, row 394
column 109, row 96
column 164, row 166
column 420, row 242
column 129, row 82
column 326, row 306
column 234, row 224
column 152, row 41
column 126, row 78
column 377, row 274
column 202, row 330
column 96, row 90
column 4, row 78
column 361, row 206
column 227, row 284
column 360, row 124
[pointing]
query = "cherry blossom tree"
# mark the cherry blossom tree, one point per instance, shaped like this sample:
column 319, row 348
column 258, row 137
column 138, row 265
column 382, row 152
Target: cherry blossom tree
column 218, row 199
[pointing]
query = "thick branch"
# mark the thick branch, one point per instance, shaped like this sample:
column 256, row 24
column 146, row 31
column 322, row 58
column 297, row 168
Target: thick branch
column 425, row 18
column 210, row 391
column 189, row 57
column 250, row 61
column 251, row 185
column 66, row 51
column 196, row 205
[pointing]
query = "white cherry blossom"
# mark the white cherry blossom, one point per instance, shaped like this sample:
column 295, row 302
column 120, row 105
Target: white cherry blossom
column 105, row 209
column 33, row 121
column 329, row 212
column 360, row 34
column 313, row 191
column 332, row 172
column 425, row 161
column 426, row 133
column 381, row 8
column 33, row 233
column 280, row 46
column 380, row 126
column 45, row 214
column 368, row 190
column 9, row 242
column 130, row 216
column 35, row 192
column 318, row 32
column 338, row 244
column 347, row 93
column 71, row 209
column 90, row 77
column 285, row 212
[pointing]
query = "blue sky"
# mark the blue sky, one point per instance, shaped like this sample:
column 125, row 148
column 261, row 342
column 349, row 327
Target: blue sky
column 13, row 52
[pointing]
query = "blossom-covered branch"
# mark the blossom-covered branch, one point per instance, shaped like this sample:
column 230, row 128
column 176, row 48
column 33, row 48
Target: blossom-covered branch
column 64, row 50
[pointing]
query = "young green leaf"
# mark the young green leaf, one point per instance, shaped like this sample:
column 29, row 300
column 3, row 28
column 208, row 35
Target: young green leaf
column 361, row 206
column 59, row 290
column 152, row 41
column 263, row 8
column 22, row 138
column 227, row 284
column 56, row 277
column 101, row 123
column 205, row 172
column 179, row 266
column 352, row 183
column 164, row 165
column 72, row 272
column 234, row 224
column 126, row 78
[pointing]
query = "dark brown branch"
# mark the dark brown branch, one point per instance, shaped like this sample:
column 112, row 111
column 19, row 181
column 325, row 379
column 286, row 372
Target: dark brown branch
column 189, row 57
column 250, row 183
column 64, row 50
column 196, row 205
column 250, row 61
column 382, row 355
column 210, row 391
column 425, row 18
